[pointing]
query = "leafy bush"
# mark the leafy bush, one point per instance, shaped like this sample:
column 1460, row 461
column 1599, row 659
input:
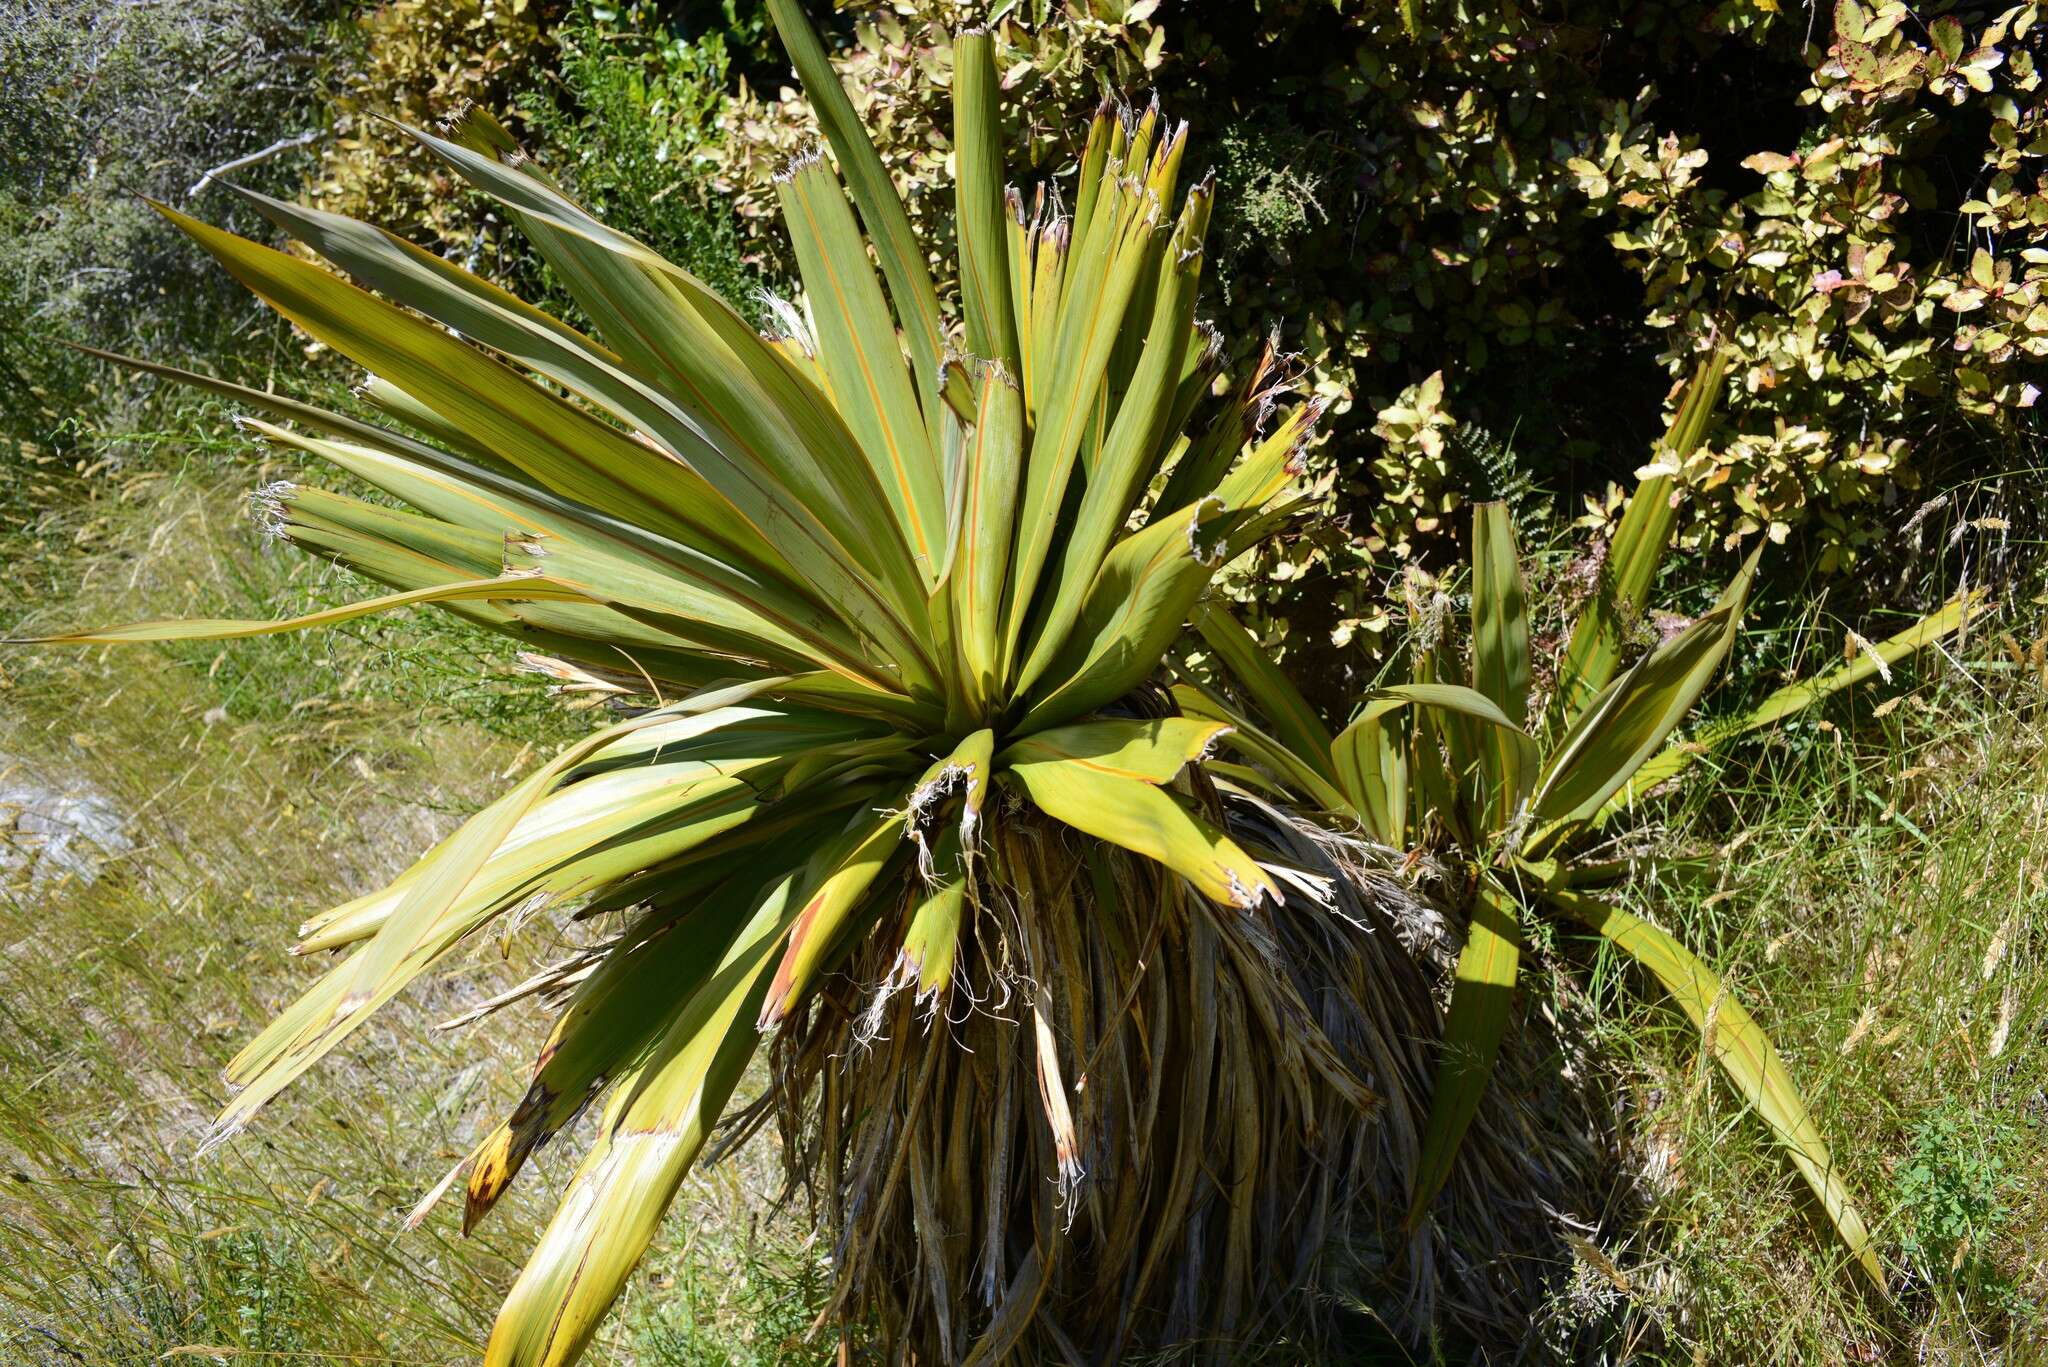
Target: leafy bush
column 1880, row 273
column 99, row 104
column 416, row 62
column 616, row 102
column 629, row 119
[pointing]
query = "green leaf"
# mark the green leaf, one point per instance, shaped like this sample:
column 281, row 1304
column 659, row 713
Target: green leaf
column 1097, row 290
column 994, row 456
column 1637, row 713
column 1131, row 450
column 835, row 888
column 1145, row 820
column 1153, row 751
column 1792, row 699
column 1637, row 551
column 1744, row 1052
column 235, row 629
column 985, row 294
column 654, row 1126
column 881, row 209
column 1478, row 1017
column 632, row 997
column 1255, row 745
column 863, row 360
column 931, row 943
column 1293, row 721
column 1500, row 652
column 736, row 410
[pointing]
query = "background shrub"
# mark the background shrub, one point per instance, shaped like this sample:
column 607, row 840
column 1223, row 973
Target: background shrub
column 417, row 61
column 629, row 118
column 100, row 104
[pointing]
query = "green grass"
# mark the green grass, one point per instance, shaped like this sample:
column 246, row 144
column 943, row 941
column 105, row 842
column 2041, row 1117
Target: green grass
column 261, row 783
column 1878, row 895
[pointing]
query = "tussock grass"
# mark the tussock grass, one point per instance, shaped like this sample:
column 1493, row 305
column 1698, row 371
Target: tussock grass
column 259, row 783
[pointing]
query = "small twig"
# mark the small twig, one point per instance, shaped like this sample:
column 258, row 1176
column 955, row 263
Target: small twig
column 281, row 145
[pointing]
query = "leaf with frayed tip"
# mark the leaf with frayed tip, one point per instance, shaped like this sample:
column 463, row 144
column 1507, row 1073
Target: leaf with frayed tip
column 1146, row 820
column 1792, row 699
column 978, row 200
column 654, row 1127
column 965, row 770
column 1098, row 289
column 1637, row 713
column 1287, row 713
column 643, row 983
column 584, row 834
column 1637, row 551
column 863, row 360
column 1151, row 751
column 455, row 892
column 994, row 457
column 1744, row 1052
column 881, row 210
column 235, row 629
column 484, row 313
column 1473, row 1027
column 1500, row 652
column 836, row 888
column 931, row 943
column 1130, row 452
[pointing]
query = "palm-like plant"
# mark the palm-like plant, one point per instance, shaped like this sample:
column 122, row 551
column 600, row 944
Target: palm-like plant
column 1465, row 758
column 894, row 586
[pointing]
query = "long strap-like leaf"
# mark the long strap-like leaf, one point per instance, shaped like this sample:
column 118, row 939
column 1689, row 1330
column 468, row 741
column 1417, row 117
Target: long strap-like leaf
column 1792, row 699
column 881, row 208
column 1744, row 1052
column 1478, row 1018
column 1636, row 552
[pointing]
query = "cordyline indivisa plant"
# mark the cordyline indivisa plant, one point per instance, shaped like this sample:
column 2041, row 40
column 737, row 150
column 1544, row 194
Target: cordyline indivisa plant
column 1469, row 761
column 1085, row 1051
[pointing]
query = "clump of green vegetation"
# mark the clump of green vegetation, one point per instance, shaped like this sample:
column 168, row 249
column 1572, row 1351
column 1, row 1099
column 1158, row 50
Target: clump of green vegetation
column 1951, row 1193
column 99, row 104
column 630, row 119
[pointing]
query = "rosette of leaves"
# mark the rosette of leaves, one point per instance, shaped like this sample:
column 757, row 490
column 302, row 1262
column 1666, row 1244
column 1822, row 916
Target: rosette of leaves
column 883, row 599
column 1465, row 759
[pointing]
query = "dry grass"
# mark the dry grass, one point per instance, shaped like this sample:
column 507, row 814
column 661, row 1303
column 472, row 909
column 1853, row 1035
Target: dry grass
column 1882, row 904
column 258, row 784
